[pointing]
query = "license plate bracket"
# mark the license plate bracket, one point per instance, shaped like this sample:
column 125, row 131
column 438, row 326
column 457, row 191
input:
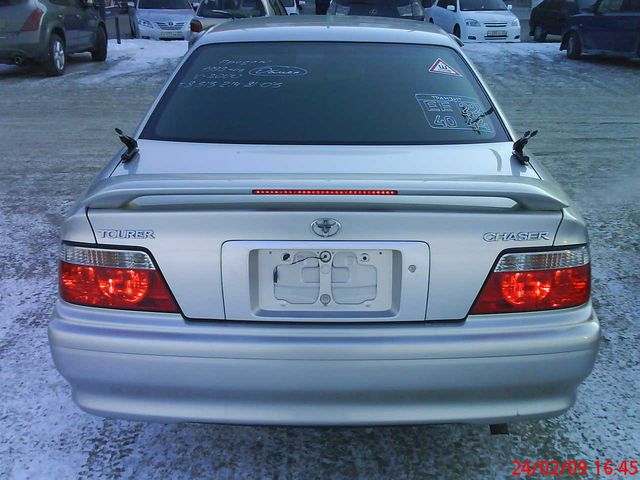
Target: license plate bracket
column 396, row 292
column 496, row 33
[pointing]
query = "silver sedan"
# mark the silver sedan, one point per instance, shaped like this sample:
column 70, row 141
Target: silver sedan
column 396, row 258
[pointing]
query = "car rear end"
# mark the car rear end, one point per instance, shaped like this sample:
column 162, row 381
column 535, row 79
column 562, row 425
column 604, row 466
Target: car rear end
column 380, row 271
column 407, row 9
column 21, row 33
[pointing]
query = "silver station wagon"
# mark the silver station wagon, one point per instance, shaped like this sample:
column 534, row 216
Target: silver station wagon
column 394, row 259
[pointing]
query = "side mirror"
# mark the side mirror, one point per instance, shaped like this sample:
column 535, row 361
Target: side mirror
column 451, row 8
column 509, row 7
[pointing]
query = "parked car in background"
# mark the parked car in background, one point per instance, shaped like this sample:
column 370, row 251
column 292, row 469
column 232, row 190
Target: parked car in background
column 161, row 19
column 610, row 27
column 550, row 16
column 214, row 12
column 410, row 9
column 476, row 20
column 46, row 31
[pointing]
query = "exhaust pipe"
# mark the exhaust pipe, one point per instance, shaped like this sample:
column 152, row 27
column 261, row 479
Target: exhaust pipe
column 18, row 60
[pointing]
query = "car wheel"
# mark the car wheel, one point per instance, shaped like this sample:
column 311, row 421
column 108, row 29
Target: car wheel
column 539, row 35
column 56, row 59
column 574, row 46
column 456, row 31
column 99, row 53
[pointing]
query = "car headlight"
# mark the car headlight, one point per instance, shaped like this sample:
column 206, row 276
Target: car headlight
column 470, row 22
column 515, row 23
column 145, row 23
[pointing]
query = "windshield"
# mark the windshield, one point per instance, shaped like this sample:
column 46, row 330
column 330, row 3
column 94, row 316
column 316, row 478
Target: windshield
column 235, row 8
column 472, row 5
column 164, row 4
column 333, row 93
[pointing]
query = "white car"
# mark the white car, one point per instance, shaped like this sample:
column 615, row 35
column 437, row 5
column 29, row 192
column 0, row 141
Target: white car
column 476, row 20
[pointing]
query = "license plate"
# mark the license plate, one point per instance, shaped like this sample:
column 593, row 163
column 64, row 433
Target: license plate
column 171, row 35
column 497, row 33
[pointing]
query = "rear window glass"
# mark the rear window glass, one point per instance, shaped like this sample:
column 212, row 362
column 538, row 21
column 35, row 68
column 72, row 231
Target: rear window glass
column 325, row 93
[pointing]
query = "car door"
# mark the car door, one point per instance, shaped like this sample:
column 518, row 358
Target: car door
column 603, row 28
column 629, row 28
column 71, row 19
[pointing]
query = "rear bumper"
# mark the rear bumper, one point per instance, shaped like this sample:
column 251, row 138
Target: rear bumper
column 26, row 46
column 159, row 368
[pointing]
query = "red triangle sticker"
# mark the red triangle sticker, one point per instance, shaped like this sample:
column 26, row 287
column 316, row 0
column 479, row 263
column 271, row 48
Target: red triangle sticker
column 440, row 66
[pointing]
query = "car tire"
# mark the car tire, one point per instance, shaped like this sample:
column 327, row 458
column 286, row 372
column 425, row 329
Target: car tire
column 99, row 53
column 456, row 31
column 56, row 60
column 574, row 46
column 539, row 35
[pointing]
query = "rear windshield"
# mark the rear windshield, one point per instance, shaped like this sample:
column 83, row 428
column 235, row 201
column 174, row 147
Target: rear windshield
column 236, row 8
column 325, row 93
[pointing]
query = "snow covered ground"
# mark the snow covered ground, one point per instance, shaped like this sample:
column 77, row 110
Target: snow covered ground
column 56, row 133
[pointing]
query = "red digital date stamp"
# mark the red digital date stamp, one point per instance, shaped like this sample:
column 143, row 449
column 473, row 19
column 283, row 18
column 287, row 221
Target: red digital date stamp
column 555, row 468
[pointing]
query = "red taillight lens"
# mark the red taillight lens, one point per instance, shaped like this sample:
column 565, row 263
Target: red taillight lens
column 113, row 279
column 33, row 21
column 324, row 192
column 524, row 282
column 196, row 26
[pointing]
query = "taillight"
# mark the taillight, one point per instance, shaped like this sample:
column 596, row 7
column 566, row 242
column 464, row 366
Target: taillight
column 33, row 21
column 530, row 281
column 196, row 26
column 124, row 279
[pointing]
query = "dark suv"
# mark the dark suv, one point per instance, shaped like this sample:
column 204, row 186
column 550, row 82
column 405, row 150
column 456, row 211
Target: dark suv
column 46, row 31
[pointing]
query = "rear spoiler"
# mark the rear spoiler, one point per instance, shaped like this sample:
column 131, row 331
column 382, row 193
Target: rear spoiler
column 233, row 193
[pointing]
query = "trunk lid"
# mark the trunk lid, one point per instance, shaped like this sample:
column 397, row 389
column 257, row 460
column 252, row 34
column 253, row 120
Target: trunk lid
column 227, row 253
